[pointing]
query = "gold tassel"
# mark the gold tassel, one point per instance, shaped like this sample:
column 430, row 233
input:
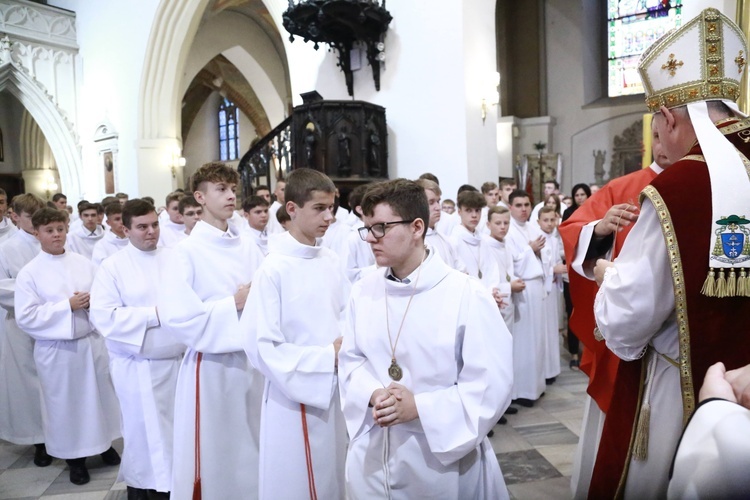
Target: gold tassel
column 640, row 448
column 721, row 285
column 742, row 282
column 709, row 286
column 732, row 284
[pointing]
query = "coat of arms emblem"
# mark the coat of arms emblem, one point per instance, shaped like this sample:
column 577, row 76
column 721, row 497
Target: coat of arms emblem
column 732, row 244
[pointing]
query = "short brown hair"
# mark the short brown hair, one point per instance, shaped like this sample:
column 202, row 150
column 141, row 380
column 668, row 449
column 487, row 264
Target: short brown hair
column 82, row 207
column 471, row 199
column 121, row 195
column 27, row 203
column 429, row 185
column 488, row 186
column 173, row 196
column 48, row 215
column 109, row 199
column 187, row 201
column 498, row 209
column 546, row 210
column 282, row 215
column 252, row 202
column 405, row 197
column 135, row 208
column 507, row 182
column 303, row 181
column 214, row 172
column 112, row 209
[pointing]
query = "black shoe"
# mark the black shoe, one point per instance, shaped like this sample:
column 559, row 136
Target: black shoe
column 550, row 381
column 527, row 403
column 511, row 411
column 41, row 458
column 491, row 433
column 79, row 474
column 111, row 457
column 158, row 495
column 502, row 421
column 137, row 493
column 574, row 364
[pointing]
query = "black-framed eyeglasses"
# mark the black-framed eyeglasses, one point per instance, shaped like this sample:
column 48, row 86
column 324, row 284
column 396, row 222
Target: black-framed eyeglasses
column 378, row 230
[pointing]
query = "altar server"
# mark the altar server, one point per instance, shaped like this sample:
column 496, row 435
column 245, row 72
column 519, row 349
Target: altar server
column 80, row 411
column 421, row 385
column 292, row 325
column 20, row 393
column 84, row 236
column 203, row 291
column 7, row 228
column 442, row 245
column 114, row 238
column 466, row 239
column 172, row 229
column 144, row 358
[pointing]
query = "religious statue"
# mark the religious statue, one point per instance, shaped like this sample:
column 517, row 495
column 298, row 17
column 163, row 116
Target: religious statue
column 373, row 156
column 310, row 141
column 345, row 154
column 599, row 159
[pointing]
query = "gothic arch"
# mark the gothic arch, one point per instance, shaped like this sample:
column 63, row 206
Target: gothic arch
column 52, row 122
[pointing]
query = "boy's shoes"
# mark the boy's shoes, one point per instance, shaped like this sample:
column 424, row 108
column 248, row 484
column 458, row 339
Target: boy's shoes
column 111, row 457
column 137, row 493
column 511, row 411
column 574, row 364
column 41, row 458
column 527, row 403
column 79, row 474
column 550, row 381
column 491, row 433
column 502, row 421
column 158, row 495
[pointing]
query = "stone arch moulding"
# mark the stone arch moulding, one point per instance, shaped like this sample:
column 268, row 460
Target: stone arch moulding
column 175, row 25
column 53, row 124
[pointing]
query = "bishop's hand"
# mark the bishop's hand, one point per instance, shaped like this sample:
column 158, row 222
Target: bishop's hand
column 616, row 219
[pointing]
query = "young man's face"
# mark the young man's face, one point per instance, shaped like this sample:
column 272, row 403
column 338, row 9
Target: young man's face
column 279, row 191
column 470, row 217
column 257, row 217
column 312, row 219
column 191, row 216
column 218, row 199
column 144, row 231
column 61, row 204
column 52, row 237
column 433, row 200
column 520, row 208
column 122, row 201
column 398, row 242
column 505, row 192
column 23, row 221
column 449, row 208
column 3, row 205
column 549, row 188
column 90, row 219
column 547, row 221
column 492, row 197
column 265, row 194
column 173, row 210
column 114, row 222
column 498, row 225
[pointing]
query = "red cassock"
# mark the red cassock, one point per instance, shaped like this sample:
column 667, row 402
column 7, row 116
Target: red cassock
column 598, row 362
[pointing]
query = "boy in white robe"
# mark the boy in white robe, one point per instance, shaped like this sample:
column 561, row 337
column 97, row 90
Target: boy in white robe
column 144, row 358
column 256, row 220
column 466, row 239
column 491, row 194
column 191, row 212
column 337, row 234
column 80, row 409
column 359, row 257
column 20, row 393
column 84, row 236
column 293, row 337
column 525, row 242
column 172, row 229
column 273, row 225
column 553, row 271
column 442, row 245
column 7, row 228
column 423, row 379
column 114, row 238
column 203, row 290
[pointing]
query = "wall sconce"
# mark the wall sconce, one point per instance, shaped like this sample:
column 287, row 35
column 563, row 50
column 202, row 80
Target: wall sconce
column 176, row 161
column 50, row 185
column 493, row 96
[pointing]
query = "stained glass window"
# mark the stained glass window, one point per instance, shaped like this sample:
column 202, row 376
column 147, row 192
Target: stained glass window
column 632, row 26
column 228, row 131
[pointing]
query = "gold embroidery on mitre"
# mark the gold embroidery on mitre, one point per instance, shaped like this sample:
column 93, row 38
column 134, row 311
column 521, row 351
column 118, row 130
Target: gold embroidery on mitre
column 712, row 48
column 672, row 65
column 713, row 70
column 693, row 93
column 740, row 60
column 711, row 27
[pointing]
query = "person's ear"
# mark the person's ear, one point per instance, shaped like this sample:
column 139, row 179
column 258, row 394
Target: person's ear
column 419, row 227
column 669, row 117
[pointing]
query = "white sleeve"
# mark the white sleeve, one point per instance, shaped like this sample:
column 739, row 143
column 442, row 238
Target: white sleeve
column 637, row 295
column 713, row 456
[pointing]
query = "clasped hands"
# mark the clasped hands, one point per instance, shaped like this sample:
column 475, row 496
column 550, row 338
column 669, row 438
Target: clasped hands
column 732, row 385
column 393, row 405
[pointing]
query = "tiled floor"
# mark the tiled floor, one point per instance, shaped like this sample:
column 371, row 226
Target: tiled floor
column 535, row 450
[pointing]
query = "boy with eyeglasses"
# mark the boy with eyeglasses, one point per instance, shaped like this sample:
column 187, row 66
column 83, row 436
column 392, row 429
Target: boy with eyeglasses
column 423, row 379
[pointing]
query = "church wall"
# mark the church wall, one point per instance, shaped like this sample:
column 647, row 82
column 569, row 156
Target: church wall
column 10, row 123
column 112, row 37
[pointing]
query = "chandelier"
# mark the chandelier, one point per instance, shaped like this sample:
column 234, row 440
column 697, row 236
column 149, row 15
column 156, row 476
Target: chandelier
column 342, row 24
